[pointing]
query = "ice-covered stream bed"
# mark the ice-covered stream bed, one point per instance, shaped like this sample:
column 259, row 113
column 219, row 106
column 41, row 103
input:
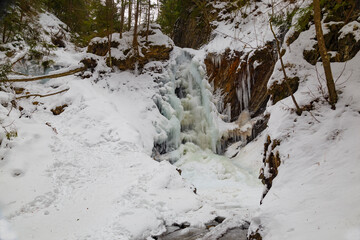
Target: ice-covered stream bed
column 191, row 140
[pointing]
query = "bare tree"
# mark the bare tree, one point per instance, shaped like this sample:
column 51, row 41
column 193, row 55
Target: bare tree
column 148, row 20
column 129, row 14
column 122, row 17
column 286, row 79
column 324, row 56
column 109, row 25
column 135, row 37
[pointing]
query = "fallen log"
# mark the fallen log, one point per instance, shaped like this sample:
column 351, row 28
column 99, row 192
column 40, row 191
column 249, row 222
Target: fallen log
column 40, row 95
column 56, row 75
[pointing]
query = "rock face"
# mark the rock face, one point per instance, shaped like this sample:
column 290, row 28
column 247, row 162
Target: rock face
column 190, row 34
column 242, row 79
column 280, row 91
column 340, row 40
column 101, row 48
column 149, row 53
column 193, row 27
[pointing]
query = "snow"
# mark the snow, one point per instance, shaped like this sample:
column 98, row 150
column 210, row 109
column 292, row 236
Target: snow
column 88, row 172
column 352, row 28
column 316, row 193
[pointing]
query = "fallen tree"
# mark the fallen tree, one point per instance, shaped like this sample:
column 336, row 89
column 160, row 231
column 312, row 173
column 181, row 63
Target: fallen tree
column 40, row 95
column 55, row 75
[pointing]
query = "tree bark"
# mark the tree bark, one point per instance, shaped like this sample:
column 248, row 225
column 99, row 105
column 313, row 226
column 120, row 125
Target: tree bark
column 298, row 109
column 324, row 56
column 4, row 33
column 122, row 17
column 110, row 23
column 148, row 20
column 56, row 75
column 41, row 96
column 129, row 16
column 135, row 40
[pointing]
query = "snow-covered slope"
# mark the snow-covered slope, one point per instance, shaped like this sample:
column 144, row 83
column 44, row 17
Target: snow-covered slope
column 87, row 172
column 317, row 190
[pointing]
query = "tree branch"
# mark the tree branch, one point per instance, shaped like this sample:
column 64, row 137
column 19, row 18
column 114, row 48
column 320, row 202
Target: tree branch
column 39, row 95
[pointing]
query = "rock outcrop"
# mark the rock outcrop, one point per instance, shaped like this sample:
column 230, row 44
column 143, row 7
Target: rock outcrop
column 341, row 40
column 242, row 79
column 148, row 54
column 156, row 48
column 271, row 162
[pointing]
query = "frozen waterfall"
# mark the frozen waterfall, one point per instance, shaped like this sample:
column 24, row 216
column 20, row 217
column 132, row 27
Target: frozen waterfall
column 186, row 101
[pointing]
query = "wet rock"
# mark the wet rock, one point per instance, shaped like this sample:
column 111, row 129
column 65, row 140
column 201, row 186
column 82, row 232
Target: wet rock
column 176, row 233
column 232, row 73
column 215, row 222
column 235, row 234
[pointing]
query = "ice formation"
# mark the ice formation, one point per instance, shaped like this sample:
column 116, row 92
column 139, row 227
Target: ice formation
column 186, row 100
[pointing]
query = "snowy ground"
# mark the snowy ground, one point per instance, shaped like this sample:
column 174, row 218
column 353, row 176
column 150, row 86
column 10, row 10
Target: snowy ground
column 87, row 173
column 317, row 190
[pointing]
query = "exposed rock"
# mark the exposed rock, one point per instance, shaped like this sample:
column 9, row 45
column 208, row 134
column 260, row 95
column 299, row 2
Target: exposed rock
column 193, row 28
column 193, row 233
column 89, row 63
column 190, row 34
column 231, row 74
column 255, row 236
column 223, row 73
column 175, row 233
column 344, row 48
column 101, row 48
column 148, row 54
column 19, row 90
column 58, row 110
column 58, row 41
column 215, row 222
column 348, row 47
column 279, row 91
column 271, row 162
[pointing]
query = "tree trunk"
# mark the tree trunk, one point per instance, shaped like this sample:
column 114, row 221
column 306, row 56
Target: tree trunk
column 56, row 75
column 135, row 40
column 298, row 109
column 129, row 16
column 4, row 33
column 148, row 21
column 324, row 56
column 110, row 23
column 122, row 17
column 140, row 12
